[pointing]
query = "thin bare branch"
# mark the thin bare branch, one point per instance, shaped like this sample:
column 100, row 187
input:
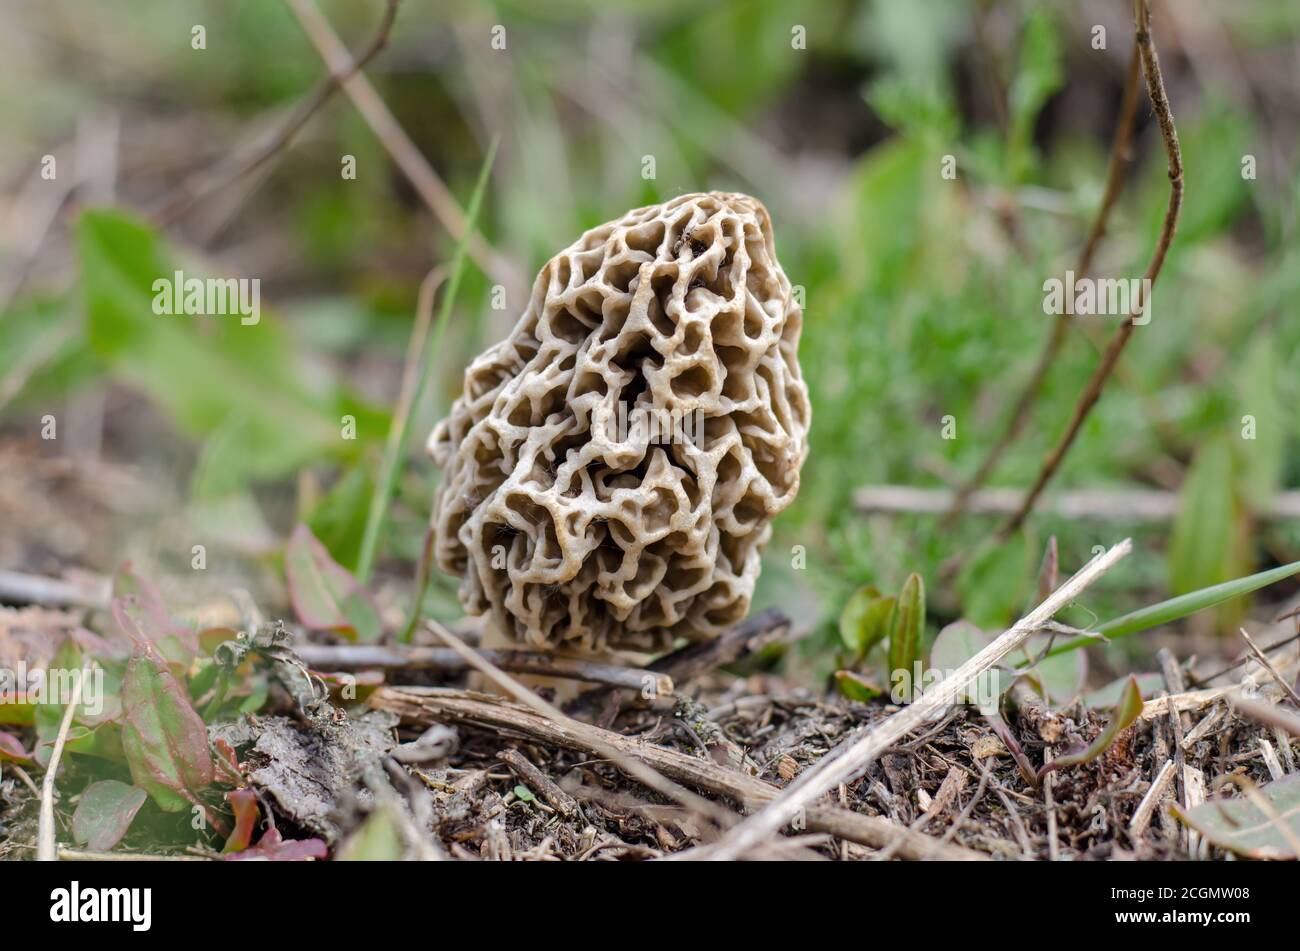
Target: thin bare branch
column 1267, row 664
column 1028, row 397
column 213, row 180
column 359, row 656
column 46, row 844
column 17, row 587
column 431, row 189
column 1267, row 713
column 1092, row 391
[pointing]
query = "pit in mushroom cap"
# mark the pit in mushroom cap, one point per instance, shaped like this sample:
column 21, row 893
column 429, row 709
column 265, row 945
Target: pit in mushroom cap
column 580, row 523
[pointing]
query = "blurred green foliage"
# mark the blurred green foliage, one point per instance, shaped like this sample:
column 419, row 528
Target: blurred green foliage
column 923, row 294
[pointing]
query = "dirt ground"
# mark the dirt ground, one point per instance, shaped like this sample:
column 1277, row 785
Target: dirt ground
column 488, row 779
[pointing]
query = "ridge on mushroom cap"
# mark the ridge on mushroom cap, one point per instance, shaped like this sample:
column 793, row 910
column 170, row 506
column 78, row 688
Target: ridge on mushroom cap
column 611, row 468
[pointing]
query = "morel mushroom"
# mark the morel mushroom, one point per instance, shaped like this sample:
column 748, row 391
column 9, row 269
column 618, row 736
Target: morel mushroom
column 611, row 468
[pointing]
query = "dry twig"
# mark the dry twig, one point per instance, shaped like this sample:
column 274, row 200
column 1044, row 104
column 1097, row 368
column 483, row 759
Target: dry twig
column 1137, row 826
column 733, row 644
column 1267, row 664
column 854, row 756
column 432, row 190
column 522, row 767
column 46, row 847
column 1092, row 391
column 356, row 656
column 1029, row 396
column 646, row 775
column 212, row 180
column 426, row 705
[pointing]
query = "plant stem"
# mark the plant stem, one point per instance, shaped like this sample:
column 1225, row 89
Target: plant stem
column 1052, row 348
column 1092, row 391
column 396, row 448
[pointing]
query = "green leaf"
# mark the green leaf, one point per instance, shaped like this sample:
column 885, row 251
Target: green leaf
column 400, row 435
column 12, row 750
column 105, row 812
column 1206, row 545
column 880, row 216
column 376, row 841
column 1039, row 75
column 209, row 374
column 863, row 620
column 856, row 687
column 93, row 731
column 103, row 741
column 957, row 643
column 1059, row 678
column 1241, row 826
column 1180, row 607
column 1126, row 711
column 325, row 596
column 140, row 613
column 339, row 519
column 43, row 350
column 995, row 582
column 164, row 740
column 524, row 794
column 1261, row 451
column 905, row 626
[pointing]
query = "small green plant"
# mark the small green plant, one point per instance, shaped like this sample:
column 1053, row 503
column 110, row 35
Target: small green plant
column 142, row 745
column 400, row 433
column 870, row 621
column 1174, row 609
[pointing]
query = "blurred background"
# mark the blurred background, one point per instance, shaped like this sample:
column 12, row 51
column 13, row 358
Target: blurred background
column 923, row 291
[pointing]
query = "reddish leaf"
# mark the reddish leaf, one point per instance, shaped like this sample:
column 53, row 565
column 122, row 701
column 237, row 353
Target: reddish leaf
column 272, row 848
column 104, row 813
column 165, row 742
column 139, row 610
column 227, row 761
column 1126, row 711
column 11, row 749
column 325, row 595
column 244, row 803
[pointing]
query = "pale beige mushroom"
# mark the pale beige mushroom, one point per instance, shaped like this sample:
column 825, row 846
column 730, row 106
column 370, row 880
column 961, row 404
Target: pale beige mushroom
column 612, row 467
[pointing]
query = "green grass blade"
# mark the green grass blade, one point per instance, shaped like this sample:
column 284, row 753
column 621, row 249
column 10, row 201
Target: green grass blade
column 1183, row 605
column 392, row 462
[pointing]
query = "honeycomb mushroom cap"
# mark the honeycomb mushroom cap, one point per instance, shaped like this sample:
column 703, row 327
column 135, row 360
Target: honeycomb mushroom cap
column 612, row 467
